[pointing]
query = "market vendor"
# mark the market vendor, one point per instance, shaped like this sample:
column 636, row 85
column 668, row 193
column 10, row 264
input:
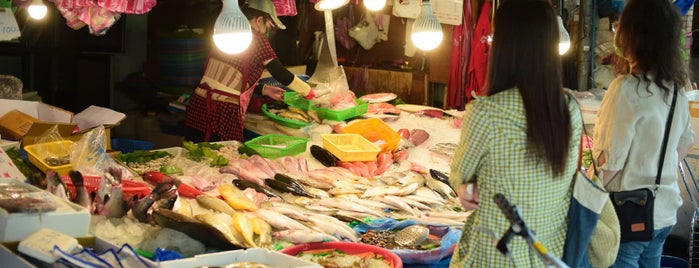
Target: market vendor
column 217, row 109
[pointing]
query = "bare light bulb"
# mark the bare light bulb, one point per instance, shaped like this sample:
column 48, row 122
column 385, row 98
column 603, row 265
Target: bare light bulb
column 37, row 10
column 232, row 32
column 427, row 31
column 324, row 5
column 564, row 43
column 374, row 5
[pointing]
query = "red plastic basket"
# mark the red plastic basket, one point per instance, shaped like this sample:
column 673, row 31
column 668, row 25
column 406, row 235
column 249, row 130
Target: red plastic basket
column 92, row 183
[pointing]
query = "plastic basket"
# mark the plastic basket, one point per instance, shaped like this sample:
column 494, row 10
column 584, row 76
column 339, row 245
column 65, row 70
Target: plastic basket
column 276, row 145
column 376, row 131
column 350, row 147
column 293, row 99
column 341, row 115
column 128, row 146
column 283, row 121
column 92, row 183
column 37, row 153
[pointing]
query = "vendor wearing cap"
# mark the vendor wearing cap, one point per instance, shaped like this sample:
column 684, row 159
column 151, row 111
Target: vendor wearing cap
column 217, row 109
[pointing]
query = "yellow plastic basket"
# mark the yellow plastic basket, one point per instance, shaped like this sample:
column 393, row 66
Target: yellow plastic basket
column 38, row 153
column 376, row 131
column 350, row 147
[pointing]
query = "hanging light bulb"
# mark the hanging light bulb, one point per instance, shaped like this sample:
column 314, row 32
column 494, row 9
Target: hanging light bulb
column 37, row 10
column 427, row 31
column 374, row 5
column 564, row 44
column 325, row 5
column 232, row 32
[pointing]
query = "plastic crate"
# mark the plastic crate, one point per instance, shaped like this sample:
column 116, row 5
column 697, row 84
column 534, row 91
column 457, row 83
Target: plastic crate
column 128, row 145
column 37, row 153
column 283, row 121
column 376, row 131
column 293, row 99
column 341, row 115
column 92, row 183
column 276, row 145
column 350, row 147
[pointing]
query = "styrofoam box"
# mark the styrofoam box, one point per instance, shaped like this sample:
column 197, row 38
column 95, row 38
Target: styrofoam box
column 259, row 255
column 693, row 97
column 8, row 257
column 68, row 218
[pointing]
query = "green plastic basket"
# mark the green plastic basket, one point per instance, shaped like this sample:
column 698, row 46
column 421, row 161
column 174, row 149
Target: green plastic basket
column 293, row 99
column 276, row 145
column 341, row 115
column 283, row 121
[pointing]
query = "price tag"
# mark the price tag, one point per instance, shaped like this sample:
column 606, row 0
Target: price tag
column 8, row 25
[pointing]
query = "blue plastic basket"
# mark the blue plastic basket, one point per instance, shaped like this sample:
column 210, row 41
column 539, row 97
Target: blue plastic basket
column 128, row 145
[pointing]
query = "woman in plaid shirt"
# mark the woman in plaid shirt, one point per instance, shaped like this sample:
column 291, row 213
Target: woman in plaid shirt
column 521, row 140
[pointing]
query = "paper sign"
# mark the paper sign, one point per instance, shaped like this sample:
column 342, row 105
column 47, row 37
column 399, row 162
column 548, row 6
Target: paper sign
column 448, row 11
column 95, row 116
column 8, row 25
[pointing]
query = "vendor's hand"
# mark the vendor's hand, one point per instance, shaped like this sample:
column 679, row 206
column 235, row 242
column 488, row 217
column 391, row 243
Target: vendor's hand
column 275, row 93
column 468, row 195
column 311, row 95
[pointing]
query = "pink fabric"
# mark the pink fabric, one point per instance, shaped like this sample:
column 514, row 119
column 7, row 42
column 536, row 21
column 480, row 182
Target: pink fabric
column 460, row 55
column 285, row 7
column 480, row 49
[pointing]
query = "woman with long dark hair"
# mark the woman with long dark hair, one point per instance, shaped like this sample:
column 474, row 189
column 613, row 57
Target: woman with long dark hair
column 630, row 127
column 521, row 140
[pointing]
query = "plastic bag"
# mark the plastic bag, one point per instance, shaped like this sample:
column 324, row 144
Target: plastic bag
column 406, row 8
column 58, row 153
column 89, row 155
column 329, row 84
column 365, row 32
column 342, row 27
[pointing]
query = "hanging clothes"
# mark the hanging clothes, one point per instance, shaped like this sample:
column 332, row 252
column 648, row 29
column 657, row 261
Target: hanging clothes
column 480, row 49
column 460, row 56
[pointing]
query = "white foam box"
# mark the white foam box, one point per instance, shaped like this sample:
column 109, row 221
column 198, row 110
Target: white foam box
column 9, row 255
column 259, row 255
column 68, row 218
column 8, row 169
column 693, row 97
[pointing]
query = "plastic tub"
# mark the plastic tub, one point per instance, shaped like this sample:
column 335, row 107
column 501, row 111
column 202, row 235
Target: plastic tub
column 347, row 247
column 38, row 153
column 277, row 145
column 283, row 121
column 128, row 145
column 293, row 99
column 350, row 147
column 376, row 131
column 341, row 115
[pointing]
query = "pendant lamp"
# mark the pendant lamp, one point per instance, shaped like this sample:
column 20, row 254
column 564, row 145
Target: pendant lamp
column 374, row 5
column 37, row 10
column 427, row 31
column 326, row 5
column 564, row 44
column 232, row 32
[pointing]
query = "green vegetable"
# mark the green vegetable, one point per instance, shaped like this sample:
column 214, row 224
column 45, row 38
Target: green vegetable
column 140, row 156
column 204, row 151
column 170, row 169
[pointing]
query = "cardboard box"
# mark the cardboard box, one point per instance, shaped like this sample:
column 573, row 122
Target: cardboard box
column 68, row 218
column 14, row 124
column 259, row 255
column 27, row 120
column 9, row 255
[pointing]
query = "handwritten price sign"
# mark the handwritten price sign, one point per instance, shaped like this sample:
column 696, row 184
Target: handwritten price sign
column 8, row 25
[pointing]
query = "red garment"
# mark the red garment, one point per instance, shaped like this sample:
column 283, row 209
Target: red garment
column 480, row 49
column 226, row 119
column 460, row 55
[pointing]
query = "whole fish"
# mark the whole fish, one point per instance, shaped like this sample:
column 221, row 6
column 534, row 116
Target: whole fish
column 207, row 234
column 280, row 221
column 323, row 156
column 333, row 226
column 185, row 190
column 56, row 185
column 218, row 222
column 115, row 206
column 262, row 229
column 243, row 184
column 290, row 181
column 441, row 188
column 286, row 188
column 300, row 236
column 440, row 176
column 243, row 225
column 343, row 204
column 215, row 204
column 82, row 197
column 236, row 198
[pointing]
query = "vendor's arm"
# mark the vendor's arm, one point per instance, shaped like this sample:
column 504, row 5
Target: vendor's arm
column 281, row 74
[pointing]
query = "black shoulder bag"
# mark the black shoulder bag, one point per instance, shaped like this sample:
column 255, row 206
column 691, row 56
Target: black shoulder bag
column 635, row 208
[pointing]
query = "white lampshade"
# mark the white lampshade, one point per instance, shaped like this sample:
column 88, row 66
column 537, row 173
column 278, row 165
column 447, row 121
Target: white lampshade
column 427, row 31
column 564, row 44
column 37, row 10
column 374, row 5
column 232, row 32
column 324, row 5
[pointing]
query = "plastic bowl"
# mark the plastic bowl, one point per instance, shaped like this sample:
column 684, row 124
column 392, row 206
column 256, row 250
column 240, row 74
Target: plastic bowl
column 347, row 247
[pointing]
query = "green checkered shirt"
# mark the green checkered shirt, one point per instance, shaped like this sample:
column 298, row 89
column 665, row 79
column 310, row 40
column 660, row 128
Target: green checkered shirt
column 493, row 152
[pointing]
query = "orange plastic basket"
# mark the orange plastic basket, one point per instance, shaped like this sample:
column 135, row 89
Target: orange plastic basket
column 92, row 183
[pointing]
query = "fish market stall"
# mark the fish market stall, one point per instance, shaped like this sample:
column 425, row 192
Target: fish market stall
column 266, row 193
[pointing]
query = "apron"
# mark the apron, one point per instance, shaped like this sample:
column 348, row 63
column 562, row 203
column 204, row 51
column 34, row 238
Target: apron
column 221, row 82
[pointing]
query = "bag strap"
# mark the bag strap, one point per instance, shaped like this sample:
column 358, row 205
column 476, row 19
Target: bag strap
column 668, row 125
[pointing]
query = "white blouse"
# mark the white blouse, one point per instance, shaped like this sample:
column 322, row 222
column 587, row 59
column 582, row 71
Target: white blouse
column 630, row 129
